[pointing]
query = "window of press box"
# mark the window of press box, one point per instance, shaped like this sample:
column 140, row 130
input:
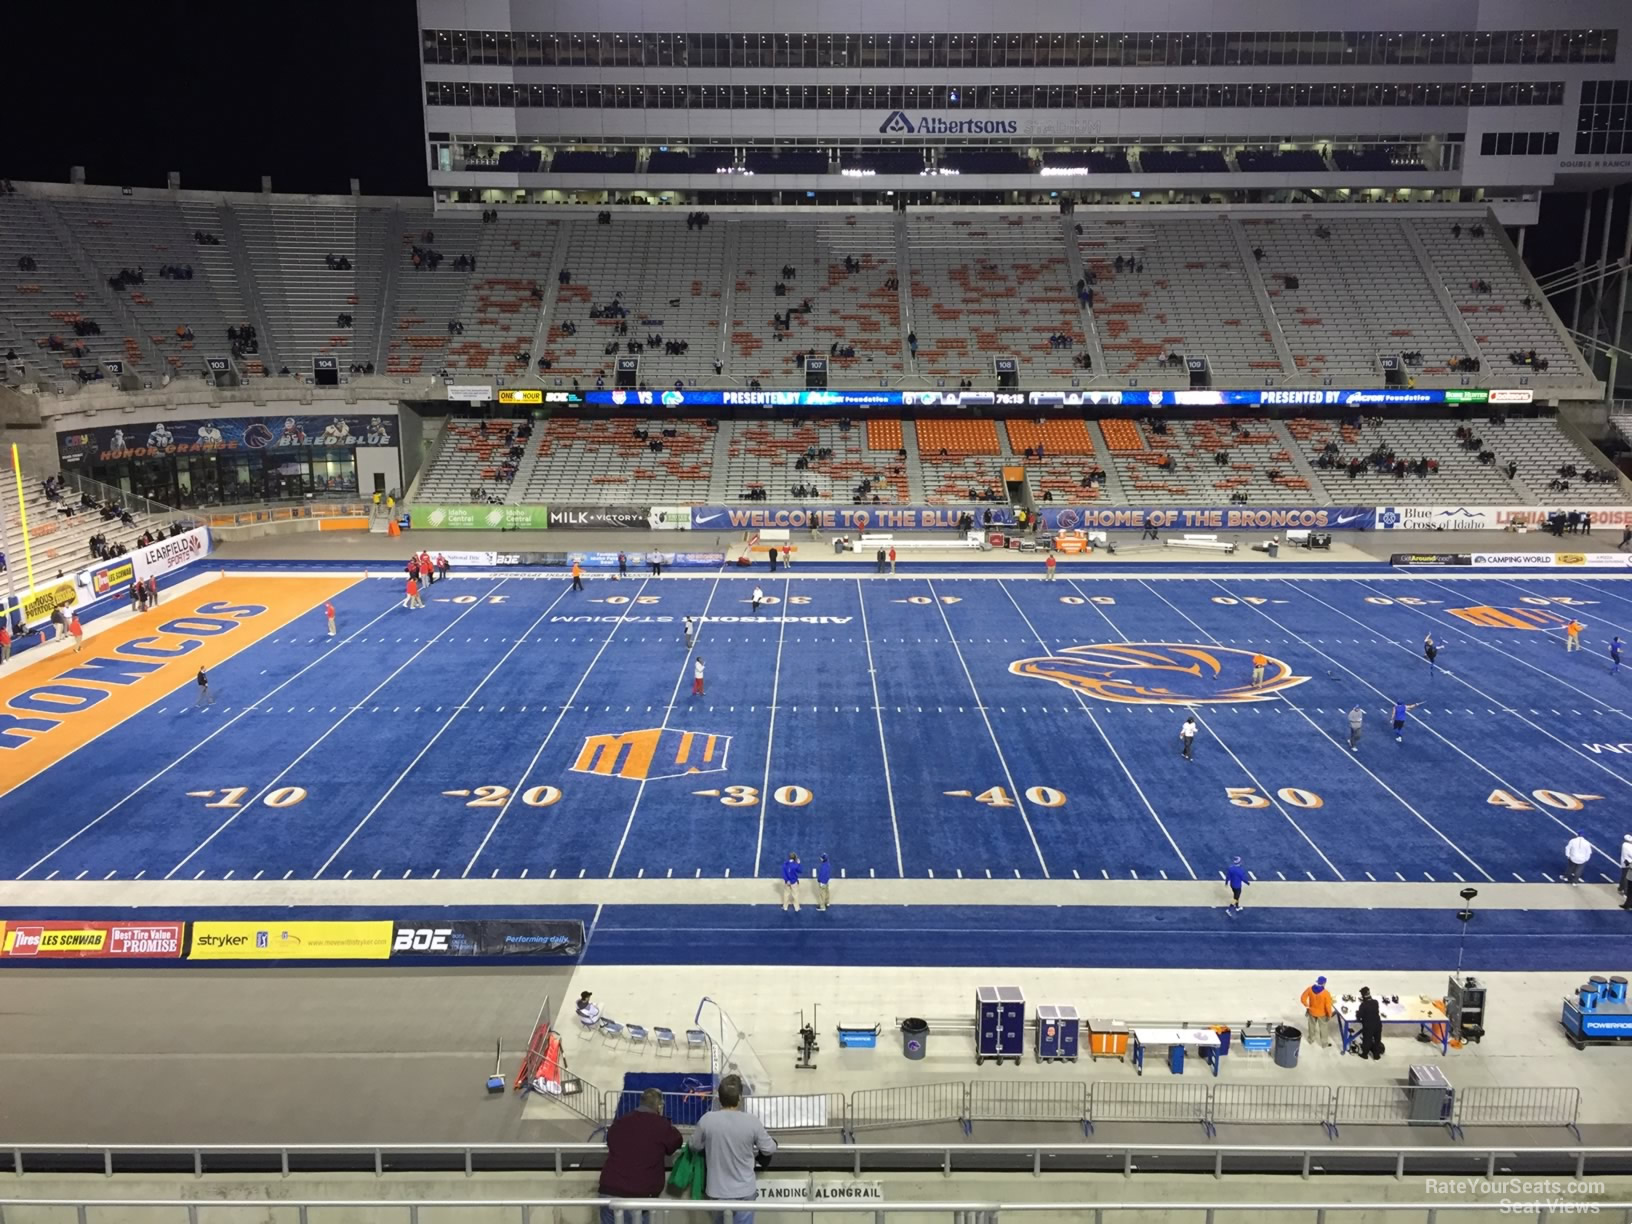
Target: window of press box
column 1046, row 49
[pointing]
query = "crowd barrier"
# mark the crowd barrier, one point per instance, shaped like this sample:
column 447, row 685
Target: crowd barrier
column 1087, row 1103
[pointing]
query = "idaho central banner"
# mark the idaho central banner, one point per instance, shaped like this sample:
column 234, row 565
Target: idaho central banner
column 91, row 940
column 165, row 556
column 753, row 517
column 290, row 941
column 479, row 518
column 1207, row 518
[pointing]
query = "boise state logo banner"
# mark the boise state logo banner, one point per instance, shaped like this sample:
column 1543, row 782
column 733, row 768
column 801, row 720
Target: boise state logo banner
column 1160, row 673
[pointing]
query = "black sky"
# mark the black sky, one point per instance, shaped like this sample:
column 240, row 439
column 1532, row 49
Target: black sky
column 313, row 94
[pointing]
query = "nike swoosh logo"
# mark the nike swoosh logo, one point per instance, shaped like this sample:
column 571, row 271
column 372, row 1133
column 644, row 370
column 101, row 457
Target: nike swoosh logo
column 703, row 520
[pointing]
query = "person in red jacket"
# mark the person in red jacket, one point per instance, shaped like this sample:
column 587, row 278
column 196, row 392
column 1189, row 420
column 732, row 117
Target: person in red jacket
column 413, row 600
column 638, row 1147
column 5, row 643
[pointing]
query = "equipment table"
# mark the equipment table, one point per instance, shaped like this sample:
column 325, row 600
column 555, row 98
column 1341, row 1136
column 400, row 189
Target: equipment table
column 1419, row 1010
column 1205, row 1040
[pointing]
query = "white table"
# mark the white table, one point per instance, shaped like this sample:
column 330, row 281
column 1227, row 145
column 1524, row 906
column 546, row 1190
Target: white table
column 1204, row 1039
column 1420, row 1010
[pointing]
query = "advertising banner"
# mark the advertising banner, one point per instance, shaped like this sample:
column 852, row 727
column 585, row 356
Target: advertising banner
column 479, row 518
column 756, row 517
column 39, row 603
column 600, row 518
column 105, row 579
column 267, row 941
column 669, row 518
column 1542, row 560
column 524, row 937
column 1491, row 518
column 91, row 940
column 471, row 393
column 1301, row 397
column 166, row 556
column 107, row 443
column 681, row 560
column 1208, row 518
column 1430, row 559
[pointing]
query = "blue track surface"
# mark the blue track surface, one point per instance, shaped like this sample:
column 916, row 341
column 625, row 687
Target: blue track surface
column 506, row 683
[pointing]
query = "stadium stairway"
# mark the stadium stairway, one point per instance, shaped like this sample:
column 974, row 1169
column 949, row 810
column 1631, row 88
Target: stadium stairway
column 236, row 245
column 1077, row 271
column 216, row 264
column 1473, row 347
column 719, row 472
column 1266, row 308
column 1115, row 491
column 915, row 470
column 1299, row 462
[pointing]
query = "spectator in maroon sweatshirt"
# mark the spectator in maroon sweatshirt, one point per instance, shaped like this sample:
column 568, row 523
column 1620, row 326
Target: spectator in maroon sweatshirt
column 637, row 1150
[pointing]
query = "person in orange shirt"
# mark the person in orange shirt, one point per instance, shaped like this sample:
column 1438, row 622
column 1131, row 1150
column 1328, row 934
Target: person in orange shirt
column 1048, row 568
column 577, row 576
column 1259, row 662
column 425, row 570
column 78, row 630
column 328, row 611
column 1572, row 636
column 413, row 600
column 1319, row 1008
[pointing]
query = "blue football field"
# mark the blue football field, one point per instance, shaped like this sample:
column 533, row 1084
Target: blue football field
column 968, row 726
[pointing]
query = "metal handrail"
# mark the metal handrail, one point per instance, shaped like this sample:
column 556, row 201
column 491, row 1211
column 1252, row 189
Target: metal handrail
column 565, row 1156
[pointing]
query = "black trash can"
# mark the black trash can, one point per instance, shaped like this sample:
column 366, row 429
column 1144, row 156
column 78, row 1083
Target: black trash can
column 1287, row 1040
column 914, row 1038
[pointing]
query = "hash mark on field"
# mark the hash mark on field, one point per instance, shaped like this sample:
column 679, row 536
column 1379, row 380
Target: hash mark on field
column 376, row 874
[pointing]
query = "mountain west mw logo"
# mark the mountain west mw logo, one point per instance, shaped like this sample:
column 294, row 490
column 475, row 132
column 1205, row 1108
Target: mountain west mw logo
column 653, row 753
column 1160, row 673
column 938, row 125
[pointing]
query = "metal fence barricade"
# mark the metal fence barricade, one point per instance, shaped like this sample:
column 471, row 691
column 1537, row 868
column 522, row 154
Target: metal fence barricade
column 579, row 1096
column 684, row 1109
column 1148, row 1102
column 872, row 1108
column 815, row 1111
column 1029, row 1101
column 1271, row 1105
column 1391, row 1105
column 1492, row 1106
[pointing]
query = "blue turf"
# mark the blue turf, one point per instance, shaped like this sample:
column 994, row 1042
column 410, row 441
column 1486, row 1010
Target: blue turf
column 375, row 733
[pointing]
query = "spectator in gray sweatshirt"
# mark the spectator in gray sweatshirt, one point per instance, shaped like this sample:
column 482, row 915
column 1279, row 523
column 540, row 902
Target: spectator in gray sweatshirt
column 730, row 1140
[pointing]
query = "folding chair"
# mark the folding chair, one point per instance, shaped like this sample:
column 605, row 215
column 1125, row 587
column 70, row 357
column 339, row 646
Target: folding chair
column 611, row 1031
column 696, row 1039
column 665, row 1040
column 636, row 1034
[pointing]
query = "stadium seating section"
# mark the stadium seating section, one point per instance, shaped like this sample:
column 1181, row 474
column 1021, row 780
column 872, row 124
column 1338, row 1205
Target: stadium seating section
column 1330, row 295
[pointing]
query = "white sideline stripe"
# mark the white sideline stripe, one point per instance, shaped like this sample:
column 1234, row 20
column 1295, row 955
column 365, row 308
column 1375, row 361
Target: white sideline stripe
column 550, row 734
column 980, row 704
column 248, row 709
column 878, row 714
column 685, row 666
column 770, row 732
column 335, row 726
column 457, row 710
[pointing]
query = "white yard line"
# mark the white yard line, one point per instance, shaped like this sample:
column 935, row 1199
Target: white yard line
column 770, row 735
column 878, row 715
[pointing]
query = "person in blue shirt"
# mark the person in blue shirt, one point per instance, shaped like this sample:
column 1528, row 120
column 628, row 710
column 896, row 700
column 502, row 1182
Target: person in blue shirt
column 790, row 883
column 1236, row 878
column 1615, row 655
column 1400, row 709
column 824, row 875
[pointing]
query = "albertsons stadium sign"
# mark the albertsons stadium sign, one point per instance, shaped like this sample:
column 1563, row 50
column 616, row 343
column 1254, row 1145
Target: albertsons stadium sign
column 899, row 123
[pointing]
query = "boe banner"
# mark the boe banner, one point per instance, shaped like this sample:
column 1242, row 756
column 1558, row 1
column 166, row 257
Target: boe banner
column 847, row 518
column 680, row 560
column 166, row 556
column 91, row 940
column 1208, row 518
column 523, row 937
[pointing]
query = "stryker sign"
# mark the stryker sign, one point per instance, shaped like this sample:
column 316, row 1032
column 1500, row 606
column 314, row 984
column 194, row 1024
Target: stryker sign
column 898, row 124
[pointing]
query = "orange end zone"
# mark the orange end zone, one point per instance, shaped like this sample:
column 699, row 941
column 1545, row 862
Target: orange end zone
column 59, row 701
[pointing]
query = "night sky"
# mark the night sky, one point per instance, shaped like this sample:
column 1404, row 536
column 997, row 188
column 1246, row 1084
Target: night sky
column 311, row 93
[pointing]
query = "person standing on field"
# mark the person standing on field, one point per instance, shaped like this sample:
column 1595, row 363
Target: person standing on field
column 1187, row 736
column 577, row 576
column 1236, row 878
column 697, row 677
column 691, row 632
column 790, row 883
column 78, row 632
column 205, row 697
column 1259, row 662
column 758, row 598
column 824, row 878
column 328, row 612
column 1320, row 1011
column 1357, row 719
column 1048, row 568
column 892, row 558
